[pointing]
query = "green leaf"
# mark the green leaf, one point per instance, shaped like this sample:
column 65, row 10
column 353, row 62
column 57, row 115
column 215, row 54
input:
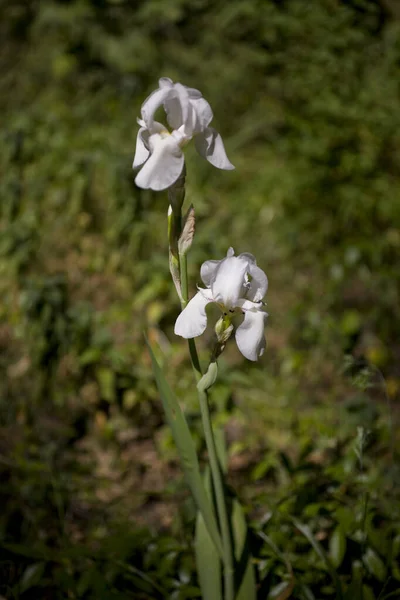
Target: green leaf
column 32, row 576
column 367, row 593
column 187, row 451
column 375, row 564
column 353, row 592
column 283, row 590
column 207, row 559
column 244, row 569
column 395, row 594
column 305, row 530
column 337, row 547
column 106, row 379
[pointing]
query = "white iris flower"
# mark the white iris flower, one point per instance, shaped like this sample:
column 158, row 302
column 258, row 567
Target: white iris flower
column 160, row 151
column 236, row 285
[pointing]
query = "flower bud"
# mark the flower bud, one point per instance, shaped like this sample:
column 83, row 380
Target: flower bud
column 187, row 235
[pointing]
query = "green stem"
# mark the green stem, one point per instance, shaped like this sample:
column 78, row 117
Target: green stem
column 194, row 357
column 216, row 474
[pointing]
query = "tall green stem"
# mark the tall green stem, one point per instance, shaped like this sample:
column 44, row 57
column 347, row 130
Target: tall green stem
column 194, row 357
column 216, row 474
column 178, row 262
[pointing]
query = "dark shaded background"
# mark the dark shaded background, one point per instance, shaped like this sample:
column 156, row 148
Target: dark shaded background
column 306, row 96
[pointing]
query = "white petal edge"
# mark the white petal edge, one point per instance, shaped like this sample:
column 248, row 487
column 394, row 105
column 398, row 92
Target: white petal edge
column 142, row 151
column 164, row 165
column 249, row 335
column 210, row 146
column 204, row 114
column 193, row 319
column 153, row 102
column 258, row 285
column 165, row 82
column 208, row 270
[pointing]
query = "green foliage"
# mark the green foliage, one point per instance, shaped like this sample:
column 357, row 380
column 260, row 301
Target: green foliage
column 306, row 97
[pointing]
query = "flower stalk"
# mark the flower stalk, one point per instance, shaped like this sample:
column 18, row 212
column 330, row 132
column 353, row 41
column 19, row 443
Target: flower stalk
column 178, row 256
column 203, row 386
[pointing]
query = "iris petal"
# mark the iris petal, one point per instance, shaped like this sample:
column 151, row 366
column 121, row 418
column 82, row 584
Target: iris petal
column 210, row 146
column 250, row 334
column 228, row 281
column 208, row 271
column 193, row 319
column 163, row 167
column 154, row 101
column 142, row 147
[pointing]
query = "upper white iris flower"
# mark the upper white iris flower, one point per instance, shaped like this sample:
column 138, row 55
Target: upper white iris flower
column 160, row 151
column 236, row 285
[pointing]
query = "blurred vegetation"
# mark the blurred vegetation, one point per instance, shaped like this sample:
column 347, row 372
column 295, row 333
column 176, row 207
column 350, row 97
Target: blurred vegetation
column 306, row 96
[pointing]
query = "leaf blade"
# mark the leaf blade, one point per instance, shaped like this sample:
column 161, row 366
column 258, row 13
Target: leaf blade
column 186, row 450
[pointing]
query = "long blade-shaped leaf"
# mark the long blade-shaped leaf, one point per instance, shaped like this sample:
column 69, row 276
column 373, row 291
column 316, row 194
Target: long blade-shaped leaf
column 187, row 451
column 207, row 558
column 245, row 569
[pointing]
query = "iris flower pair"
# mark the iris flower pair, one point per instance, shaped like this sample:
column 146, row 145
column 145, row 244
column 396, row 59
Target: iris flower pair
column 235, row 284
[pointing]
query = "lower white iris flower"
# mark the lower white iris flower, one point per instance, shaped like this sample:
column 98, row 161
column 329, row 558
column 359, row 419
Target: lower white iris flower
column 160, row 151
column 236, row 285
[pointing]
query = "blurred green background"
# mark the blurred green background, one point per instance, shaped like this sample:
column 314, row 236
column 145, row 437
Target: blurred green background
column 306, row 97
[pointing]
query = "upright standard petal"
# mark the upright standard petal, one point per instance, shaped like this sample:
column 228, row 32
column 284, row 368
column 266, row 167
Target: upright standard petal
column 228, row 281
column 153, row 102
column 142, row 147
column 164, row 166
column 210, row 146
column 203, row 113
column 250, row 334
column 208, row 271
column 193, row 319
column 258, row 284
column 165, row 82
column 173, row 110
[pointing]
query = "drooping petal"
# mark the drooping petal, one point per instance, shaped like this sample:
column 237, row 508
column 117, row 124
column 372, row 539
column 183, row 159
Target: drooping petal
column 142, row 147
column 210, row 146
column 208, row 271
column 154, row 101
column 227, row 284
column 193, row 319
column 164, row 166
column 250, row 334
